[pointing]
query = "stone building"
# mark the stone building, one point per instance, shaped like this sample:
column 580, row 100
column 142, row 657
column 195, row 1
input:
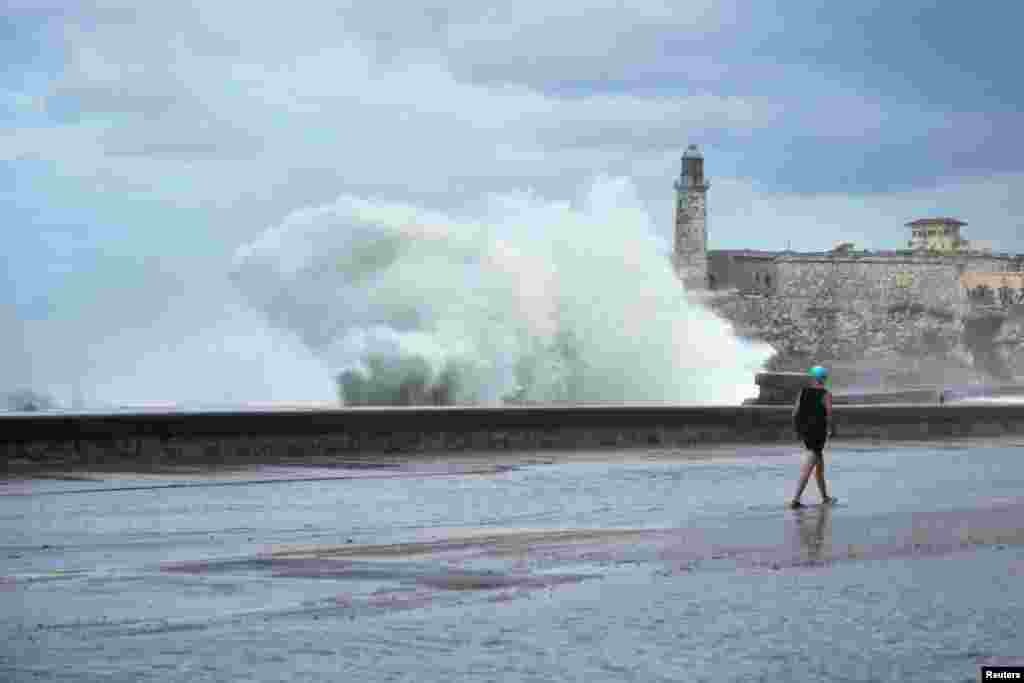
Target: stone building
column 690, row 255
column 938, row 299
column 937, row 234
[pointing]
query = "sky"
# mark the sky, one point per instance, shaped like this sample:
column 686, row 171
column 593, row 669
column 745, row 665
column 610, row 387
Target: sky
column 142, row 143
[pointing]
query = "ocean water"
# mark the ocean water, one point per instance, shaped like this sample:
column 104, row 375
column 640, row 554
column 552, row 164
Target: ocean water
column 516, row 299
column 646, row 569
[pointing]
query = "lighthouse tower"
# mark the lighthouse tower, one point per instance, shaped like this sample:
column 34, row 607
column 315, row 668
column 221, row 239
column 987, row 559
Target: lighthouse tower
column 690, row 255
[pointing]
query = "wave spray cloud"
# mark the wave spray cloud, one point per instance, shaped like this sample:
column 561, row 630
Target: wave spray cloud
column 527, row 301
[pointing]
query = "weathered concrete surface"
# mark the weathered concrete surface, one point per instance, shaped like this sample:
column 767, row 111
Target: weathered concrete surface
column 157, row 439
column 606, row 569
column 922, row 395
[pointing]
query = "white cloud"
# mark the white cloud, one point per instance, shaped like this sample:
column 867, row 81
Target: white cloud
column 303, row 88
column 22, row 102
column 742, row 215
column 255, row 110
column 251, row 113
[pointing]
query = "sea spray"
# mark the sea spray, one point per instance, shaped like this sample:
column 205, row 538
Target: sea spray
column 529, row 301
column 202, row 348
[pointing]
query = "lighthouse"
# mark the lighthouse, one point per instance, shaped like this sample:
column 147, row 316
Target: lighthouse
column 690, row 254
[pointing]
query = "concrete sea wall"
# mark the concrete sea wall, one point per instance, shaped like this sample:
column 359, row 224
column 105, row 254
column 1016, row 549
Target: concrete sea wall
column 156, row 439
column 782, row 388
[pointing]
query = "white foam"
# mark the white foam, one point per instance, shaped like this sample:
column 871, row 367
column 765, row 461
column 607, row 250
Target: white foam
column 530, row 299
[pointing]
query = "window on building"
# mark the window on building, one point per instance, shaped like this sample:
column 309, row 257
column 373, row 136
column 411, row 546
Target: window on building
column 768, row 280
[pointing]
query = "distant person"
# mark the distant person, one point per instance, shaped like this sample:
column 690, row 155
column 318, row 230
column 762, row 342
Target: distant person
column 812, row 419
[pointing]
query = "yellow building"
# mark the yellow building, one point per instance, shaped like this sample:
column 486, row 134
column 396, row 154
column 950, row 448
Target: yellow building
column 937, row 234
column 994, row 288
column 994, row 281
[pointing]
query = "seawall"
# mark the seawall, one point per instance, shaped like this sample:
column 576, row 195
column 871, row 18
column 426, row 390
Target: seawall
column 215, row 438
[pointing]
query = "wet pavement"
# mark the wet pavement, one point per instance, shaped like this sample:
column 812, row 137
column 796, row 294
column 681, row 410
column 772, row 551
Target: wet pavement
column 600, row 567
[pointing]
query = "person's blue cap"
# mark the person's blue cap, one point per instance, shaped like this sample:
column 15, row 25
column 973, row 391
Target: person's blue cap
column 819, row 373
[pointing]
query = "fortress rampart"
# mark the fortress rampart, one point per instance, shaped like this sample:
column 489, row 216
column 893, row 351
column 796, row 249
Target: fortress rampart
column 852, row 306
column 939, row 299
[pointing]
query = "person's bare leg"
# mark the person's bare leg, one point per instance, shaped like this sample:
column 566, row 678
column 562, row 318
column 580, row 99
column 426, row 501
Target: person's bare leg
column 820, row 478
column 805, row 475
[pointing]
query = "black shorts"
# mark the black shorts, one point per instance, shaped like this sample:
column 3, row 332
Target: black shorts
column 815, row 441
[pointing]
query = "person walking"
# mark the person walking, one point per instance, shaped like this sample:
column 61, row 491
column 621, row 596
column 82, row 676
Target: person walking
column 812, row 418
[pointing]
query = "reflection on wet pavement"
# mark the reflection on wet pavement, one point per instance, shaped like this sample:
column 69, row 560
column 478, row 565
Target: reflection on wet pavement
column 813, row 529
column 656, row 570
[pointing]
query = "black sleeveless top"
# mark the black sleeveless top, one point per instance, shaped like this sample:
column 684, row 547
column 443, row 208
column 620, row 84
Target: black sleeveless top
column 811, row 409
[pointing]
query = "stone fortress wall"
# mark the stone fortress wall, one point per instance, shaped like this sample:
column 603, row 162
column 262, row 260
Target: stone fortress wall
column 963, row 308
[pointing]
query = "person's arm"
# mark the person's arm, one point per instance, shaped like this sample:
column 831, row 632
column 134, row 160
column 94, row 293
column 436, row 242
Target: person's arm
column 795, row 412
column 828, row 414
